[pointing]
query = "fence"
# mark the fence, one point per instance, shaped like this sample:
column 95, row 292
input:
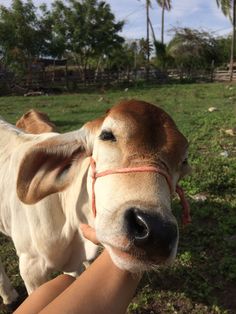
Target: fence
column 61, row 78
column 224, row 75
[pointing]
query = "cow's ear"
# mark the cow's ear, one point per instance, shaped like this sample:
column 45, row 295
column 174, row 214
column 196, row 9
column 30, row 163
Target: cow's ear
column 50, row 166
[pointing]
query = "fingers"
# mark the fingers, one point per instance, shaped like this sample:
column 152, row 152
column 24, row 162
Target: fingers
column 89, row 233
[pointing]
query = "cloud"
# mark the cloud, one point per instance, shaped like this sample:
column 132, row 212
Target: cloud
column 184, row 9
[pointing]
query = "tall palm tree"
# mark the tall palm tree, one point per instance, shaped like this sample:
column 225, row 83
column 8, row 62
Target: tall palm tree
column 148, row 5
column 166, row 6
column 228, row 7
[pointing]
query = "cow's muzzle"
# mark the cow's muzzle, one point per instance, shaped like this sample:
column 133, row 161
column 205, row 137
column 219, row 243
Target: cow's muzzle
column 146, row 168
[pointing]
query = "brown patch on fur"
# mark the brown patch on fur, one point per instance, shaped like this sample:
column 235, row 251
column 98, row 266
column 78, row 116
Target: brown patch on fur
column 94, row 125
column 152, row 134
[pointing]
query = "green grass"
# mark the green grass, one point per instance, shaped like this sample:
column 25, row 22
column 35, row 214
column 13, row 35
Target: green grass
column 202, row 280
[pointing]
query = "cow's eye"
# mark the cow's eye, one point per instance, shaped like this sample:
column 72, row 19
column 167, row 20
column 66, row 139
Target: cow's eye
column 107, row 136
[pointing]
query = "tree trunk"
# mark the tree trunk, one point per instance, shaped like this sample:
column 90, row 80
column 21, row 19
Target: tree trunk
column 148, row 47
column 29, row 72
column 66, row 75
column 162, row 21
column 97, row 68
column 152, row 29
column 54, row 69
column 233, row 42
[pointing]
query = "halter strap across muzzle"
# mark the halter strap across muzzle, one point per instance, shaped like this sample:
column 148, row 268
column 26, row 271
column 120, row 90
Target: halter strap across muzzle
column 95, row 175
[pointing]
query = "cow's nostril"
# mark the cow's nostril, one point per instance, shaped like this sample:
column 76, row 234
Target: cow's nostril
column 137, row 226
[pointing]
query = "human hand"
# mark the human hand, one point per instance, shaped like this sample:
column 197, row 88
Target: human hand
column 89, row 233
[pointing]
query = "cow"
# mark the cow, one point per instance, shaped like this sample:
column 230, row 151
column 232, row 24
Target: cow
column 35, row 122
column 117, row 173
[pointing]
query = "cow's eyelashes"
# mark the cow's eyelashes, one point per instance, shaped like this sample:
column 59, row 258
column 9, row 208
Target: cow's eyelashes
column 107, row 136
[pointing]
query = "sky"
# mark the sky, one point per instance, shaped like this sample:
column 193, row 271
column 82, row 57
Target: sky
column 198, row 14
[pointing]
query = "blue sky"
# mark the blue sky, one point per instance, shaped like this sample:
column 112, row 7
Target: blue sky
column 199, row 14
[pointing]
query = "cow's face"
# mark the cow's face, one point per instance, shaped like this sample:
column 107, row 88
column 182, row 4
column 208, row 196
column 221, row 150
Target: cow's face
column 134, row 220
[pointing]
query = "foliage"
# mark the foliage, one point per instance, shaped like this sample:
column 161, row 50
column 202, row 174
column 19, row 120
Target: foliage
column 143, row 49
column 81, row 30
column 162, row 57
column 226, row 7
column 166, row 4
column 123, row 58
column 193, row 48
column 22, row 34
column 131, row 56
column 223, row 46
column 87, row 29
column 87, row 34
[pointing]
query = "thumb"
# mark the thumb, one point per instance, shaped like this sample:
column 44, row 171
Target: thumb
column 89, row 233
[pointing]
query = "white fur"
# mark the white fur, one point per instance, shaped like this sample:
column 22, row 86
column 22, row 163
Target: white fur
column 46, row 235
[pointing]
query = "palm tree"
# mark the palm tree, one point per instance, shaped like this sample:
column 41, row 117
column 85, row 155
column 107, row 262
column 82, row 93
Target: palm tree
column 165, row 5
column 228, row 7
column 148, row 5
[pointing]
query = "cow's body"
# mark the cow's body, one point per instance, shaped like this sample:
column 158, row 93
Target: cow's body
column 46, row 235
column 52, row 174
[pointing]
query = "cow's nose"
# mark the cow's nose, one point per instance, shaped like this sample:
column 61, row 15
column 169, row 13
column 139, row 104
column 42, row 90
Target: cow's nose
column 151, row 231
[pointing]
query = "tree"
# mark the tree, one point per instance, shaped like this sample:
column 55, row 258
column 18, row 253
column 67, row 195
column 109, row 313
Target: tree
column 166, row 6
column 124, row 58
column 192, row 49
column 148, row 4
column 86, row 29
column 161, row 54
column 223, row 45
column 228, row 7
column 22, row 35
column 145, row 48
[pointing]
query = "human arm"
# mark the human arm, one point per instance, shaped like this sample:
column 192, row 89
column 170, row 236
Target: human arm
column 101, row 289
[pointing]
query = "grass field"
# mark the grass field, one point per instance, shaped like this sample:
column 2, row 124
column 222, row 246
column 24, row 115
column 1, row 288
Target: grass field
column 203, row 278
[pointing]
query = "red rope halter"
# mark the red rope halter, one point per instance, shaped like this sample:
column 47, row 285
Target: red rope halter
column 186, row 209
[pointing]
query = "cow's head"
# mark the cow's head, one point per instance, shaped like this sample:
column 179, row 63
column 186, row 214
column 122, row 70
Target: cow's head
column 35, row 122
column 133, row 219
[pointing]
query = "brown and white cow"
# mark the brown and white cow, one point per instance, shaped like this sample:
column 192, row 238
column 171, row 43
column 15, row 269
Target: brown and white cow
column 35, row 122
column 50, row 184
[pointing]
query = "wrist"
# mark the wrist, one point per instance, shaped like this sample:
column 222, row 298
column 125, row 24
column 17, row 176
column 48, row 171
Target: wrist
column 122, row 273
